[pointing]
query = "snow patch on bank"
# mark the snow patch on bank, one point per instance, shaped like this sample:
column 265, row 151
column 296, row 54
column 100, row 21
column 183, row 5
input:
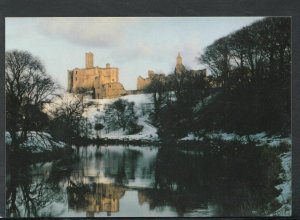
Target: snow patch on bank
column 285, row 197
column 261, row 138
column 37, row 142
column 191, row 137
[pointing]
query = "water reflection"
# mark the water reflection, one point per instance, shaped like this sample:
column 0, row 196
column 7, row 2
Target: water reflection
column 30, row 192
column 133, row 166
column 148, row 181
column 94, row 198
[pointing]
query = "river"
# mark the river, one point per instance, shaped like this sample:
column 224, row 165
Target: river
column 132, row 181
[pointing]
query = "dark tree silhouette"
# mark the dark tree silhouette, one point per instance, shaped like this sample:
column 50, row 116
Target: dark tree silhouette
column 252, row 68
column 28, row 87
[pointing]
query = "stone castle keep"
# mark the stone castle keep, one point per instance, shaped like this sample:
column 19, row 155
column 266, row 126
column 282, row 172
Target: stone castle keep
column 103, row 82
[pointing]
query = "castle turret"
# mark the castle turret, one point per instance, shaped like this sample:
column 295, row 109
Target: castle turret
column 178, row 60
column 179, row 65
column 89, row 60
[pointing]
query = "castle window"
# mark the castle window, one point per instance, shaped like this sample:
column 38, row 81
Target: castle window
column 76, row 78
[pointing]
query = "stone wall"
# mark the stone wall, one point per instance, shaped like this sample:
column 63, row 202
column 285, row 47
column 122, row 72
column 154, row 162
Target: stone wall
column 109, row 90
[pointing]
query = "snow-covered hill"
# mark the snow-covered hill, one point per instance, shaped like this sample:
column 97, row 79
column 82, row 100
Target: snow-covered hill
column 95, row 108
column 143, row 105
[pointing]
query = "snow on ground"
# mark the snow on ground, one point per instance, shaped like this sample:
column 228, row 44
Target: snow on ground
column 285, row 196
column 95, row 108
column 97, row 105
column 148, row 132
column 138, row 99
column 191, row 137
column 67, row 98
column 37, row 142
column 261, row 138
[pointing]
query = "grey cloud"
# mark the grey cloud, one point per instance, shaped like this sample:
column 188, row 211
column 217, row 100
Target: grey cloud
column 95, row 32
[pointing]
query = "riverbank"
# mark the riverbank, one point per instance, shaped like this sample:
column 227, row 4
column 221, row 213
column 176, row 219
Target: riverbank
column 285, row 197
column 39, row 146
column 115, row 141
column 283, row 145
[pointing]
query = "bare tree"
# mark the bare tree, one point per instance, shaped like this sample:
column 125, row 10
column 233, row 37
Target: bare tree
column 67, row 120
column 27, row 86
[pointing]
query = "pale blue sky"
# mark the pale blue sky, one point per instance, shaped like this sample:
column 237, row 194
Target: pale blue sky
column 134, row 45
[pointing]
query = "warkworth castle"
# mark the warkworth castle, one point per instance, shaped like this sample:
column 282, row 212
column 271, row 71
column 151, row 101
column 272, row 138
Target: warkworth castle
column 103, row 82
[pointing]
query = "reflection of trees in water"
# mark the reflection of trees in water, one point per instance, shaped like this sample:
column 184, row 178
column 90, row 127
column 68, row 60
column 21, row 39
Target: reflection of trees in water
column 121, row 166
column 28, row 194
column 94, row 198
column 240, row 179
column 181, row 200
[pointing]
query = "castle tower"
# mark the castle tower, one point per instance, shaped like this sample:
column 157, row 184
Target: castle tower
column 179, row 64
column 89, row 60
column 178, row 60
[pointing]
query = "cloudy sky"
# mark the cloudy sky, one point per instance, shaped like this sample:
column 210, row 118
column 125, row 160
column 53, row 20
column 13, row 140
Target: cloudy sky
column 134, row 45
